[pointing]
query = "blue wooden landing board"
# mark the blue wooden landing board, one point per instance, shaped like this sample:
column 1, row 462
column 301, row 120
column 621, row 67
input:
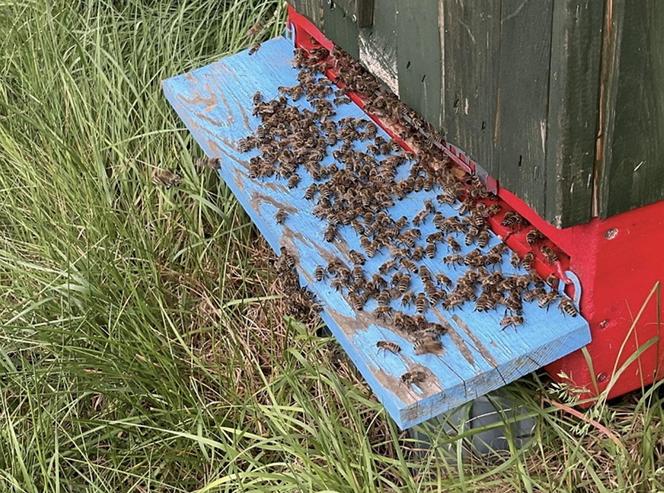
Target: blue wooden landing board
column 215, row 104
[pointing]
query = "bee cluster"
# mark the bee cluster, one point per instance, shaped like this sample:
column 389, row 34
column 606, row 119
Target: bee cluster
column 301, row 302
column 357, row 189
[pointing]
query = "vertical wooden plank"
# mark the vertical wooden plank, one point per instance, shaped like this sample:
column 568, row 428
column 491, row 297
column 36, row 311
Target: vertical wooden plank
column 573, row 110
column 311, row 9
column 378, row 44
column 365, row 12
column 523, row 97
column 631, row 173
column 470, row 33
column 419, row 58
column 338, row 25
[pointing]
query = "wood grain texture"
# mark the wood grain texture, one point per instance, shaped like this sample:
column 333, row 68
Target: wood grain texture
column 523, row 98
column 419, row 61
column 215, row 104
column 378, row 45
column 470, row 44
column 339, row 26
column 631, row 173
column 573, row 110
column 311, row 9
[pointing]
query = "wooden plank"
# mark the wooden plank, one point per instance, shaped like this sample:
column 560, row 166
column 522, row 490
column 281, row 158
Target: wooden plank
column 311, row 9
column 470, row 49
column 378, row 45
column 523, row 96
column 215, row 104
column 573, row 110
column 365, row 12
column 631, row 173
column 338, row 25
column 419, row 62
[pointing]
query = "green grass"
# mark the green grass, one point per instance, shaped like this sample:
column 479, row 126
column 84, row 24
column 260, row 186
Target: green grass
column 144, row 342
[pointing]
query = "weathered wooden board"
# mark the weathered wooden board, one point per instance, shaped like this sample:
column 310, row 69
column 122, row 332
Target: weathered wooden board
column 215, row 104
column 378, row 44
column 338, row 22
column 573, row 110
column 419, row 58
column 631, row 173
column 523, row 98
column 311, row 9
column 470, row 47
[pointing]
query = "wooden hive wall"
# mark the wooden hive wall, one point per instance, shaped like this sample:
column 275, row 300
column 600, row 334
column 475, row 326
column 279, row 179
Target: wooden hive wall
column 562, row 102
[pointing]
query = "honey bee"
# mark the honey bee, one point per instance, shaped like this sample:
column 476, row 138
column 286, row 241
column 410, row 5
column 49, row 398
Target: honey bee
column 513, row 303
column 493, row 209
column 427, row 344
column 434, row 294
column 483, row 238
column 165, row 178
column 513, row 220
column 293, row 181
column 356, row 300
column 484, row 303
column 430, row 250
column 443, row 280
column 409, row 265
column 453, row 301
column 533, row 236
column 310, row 191
column 401, row 282
column 567, row 306
column 546, row 299
column 528, row 261
column 511, row 321
column 499, row 249
column 453, row 245
column 388, row 266
column 454, row 259
column 383, row 312
column 357, row 274
column 319, row 273
column 549, row 254
column 330, row 233
column 254, row 48
column 338, row 284
column 417, row 253
column 552, row 280
column 534, row 294
column 421, row 303
column 384, row 298
column 356, row 257
column 390, row 346
column 435, row 237
column 281, row 215
column 407, row 299
column 515, row 260
column 257, row 98
column 424, row 273
column 446, row 198
column 414, row 377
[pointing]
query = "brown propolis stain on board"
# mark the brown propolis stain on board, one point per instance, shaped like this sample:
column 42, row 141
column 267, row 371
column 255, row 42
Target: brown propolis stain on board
column 199, row 99
column 258, row 199
column 456, row 339
column 394, row 385
column 476, row 342
column 409, row 394
column 212, row 121
column 245, row 117
column 229, row 110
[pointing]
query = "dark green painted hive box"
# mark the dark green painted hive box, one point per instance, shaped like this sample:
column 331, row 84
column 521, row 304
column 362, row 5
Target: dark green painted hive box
column 561, row 101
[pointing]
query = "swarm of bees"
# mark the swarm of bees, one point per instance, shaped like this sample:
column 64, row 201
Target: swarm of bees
column 357, row 191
